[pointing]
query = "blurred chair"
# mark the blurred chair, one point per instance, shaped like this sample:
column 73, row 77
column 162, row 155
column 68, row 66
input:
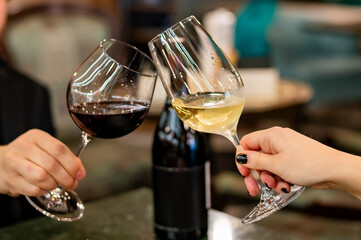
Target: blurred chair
column 48, row 39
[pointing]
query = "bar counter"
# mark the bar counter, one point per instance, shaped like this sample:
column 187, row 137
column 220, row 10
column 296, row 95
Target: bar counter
column 128, row 216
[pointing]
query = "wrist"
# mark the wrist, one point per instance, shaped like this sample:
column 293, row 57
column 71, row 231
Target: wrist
column 349, row 178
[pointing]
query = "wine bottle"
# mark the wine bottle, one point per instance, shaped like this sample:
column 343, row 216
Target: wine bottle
column 180, row 179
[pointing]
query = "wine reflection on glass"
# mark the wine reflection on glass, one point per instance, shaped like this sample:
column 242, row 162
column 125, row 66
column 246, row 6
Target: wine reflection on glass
column 207, row 93
column 108, row 96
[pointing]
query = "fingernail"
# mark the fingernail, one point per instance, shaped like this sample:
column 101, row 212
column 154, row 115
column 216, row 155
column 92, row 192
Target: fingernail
column 284, row 190
column 267, row 185
column 242, row 158
column 79, row 175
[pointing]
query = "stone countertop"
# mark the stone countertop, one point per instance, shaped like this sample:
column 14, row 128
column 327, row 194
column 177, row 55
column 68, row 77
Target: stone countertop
column 128, row 216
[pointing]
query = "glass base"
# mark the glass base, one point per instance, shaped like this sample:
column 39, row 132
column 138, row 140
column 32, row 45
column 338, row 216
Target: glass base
column 271, row 202
column 59, row 204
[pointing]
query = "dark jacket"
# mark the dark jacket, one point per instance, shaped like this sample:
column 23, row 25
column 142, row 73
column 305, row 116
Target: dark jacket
column 24, row 104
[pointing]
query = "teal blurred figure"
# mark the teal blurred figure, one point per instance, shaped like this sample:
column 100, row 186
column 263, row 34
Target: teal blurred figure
column 252, row 23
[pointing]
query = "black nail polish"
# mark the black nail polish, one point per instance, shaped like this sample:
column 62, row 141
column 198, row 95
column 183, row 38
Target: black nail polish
column 242, row 158
column 284, row 190
column 267, row 185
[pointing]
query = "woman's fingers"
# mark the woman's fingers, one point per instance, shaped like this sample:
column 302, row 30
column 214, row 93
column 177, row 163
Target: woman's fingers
column 271, row 181
column 260, row 140
column 243, row 170
column 282, row 186
column 252, row 185
column 268, row 179
column 256, row 160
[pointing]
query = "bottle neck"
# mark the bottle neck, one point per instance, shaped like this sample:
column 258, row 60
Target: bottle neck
column 175, row 144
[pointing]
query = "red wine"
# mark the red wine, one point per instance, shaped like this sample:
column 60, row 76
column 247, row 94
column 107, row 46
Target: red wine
column 109, row 119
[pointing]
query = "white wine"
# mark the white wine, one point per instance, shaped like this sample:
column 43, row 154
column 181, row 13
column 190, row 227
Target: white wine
column 210, row 112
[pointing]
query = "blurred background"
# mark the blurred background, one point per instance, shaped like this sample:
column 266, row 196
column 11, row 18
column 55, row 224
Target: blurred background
column 300, row 61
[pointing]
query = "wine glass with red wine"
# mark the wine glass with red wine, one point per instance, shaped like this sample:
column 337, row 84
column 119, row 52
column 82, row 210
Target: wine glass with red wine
column 108, row 96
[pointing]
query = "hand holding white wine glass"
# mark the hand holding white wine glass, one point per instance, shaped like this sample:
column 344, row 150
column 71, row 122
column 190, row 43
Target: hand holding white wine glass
column 108, row 96
column 207, row 93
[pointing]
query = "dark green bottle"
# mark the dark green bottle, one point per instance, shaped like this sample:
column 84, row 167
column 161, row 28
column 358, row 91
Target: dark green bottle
column 180, row 179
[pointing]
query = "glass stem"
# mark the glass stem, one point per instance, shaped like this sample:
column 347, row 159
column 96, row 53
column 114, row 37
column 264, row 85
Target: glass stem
column 85, row 139
column 233, row 137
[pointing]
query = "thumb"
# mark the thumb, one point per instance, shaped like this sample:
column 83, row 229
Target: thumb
column 255, row 160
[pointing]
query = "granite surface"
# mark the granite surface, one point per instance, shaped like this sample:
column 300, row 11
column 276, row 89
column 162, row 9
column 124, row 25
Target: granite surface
column 129, row 216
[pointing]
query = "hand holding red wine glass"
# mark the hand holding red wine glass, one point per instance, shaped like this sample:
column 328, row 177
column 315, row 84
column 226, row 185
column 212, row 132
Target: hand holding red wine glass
column 108, row 96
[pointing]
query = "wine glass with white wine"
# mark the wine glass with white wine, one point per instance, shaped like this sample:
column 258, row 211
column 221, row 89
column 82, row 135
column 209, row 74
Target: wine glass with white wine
column 207, row 93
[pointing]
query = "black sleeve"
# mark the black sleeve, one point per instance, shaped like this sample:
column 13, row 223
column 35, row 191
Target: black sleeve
column 24, row 104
